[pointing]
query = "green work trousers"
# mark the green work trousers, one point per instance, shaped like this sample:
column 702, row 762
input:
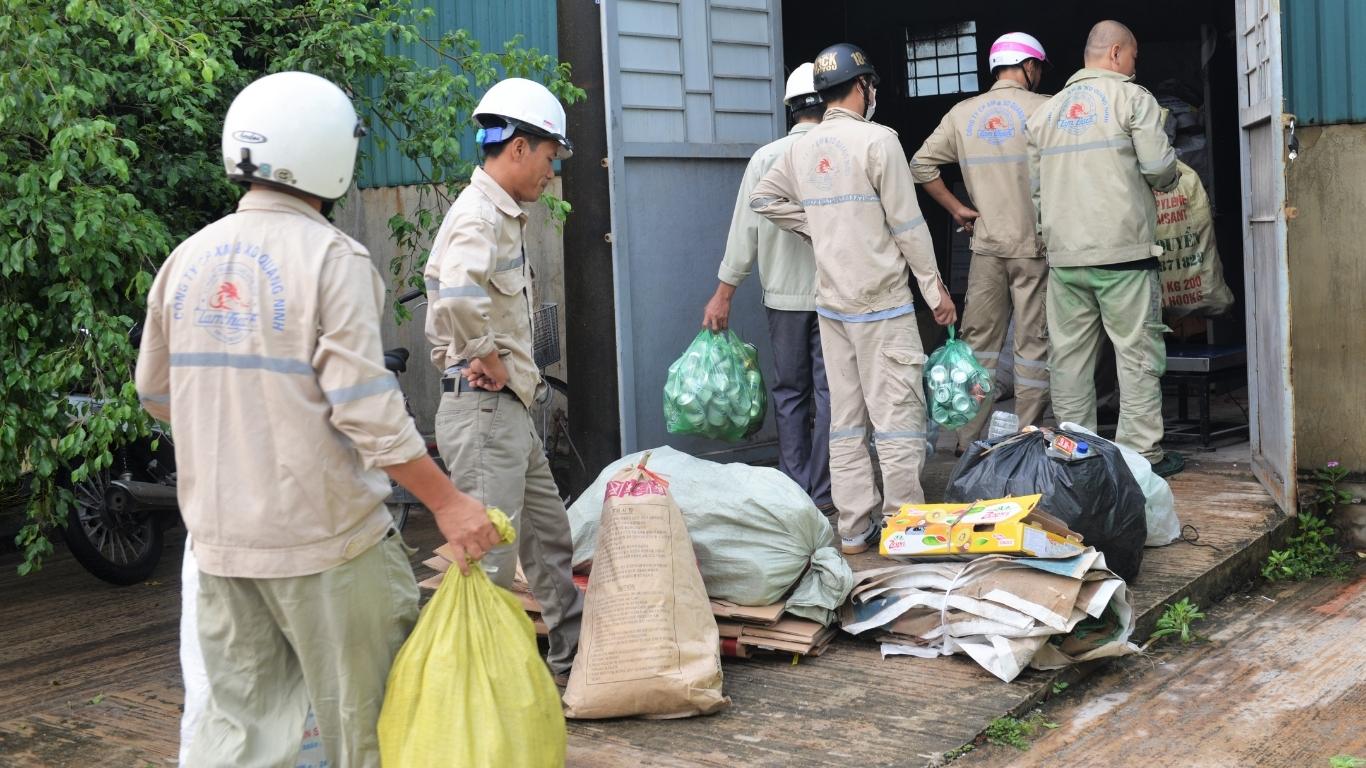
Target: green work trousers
column 273, row 645
column 1127, row 305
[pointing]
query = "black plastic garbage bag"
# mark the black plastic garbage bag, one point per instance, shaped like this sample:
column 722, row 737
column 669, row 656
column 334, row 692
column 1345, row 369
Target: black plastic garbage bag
column 1097, row 497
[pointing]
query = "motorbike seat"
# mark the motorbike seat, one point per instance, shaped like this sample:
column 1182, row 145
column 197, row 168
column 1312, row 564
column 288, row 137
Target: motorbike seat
column 396, row 359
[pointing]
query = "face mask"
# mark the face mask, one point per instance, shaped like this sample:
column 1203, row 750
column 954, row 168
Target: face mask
column 870, row 99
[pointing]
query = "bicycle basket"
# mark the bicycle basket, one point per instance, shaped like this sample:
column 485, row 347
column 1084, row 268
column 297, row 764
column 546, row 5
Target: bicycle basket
column 545, row 331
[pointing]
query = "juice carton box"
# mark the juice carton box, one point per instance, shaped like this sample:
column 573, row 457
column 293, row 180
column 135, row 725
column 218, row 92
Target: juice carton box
column 1010, row 526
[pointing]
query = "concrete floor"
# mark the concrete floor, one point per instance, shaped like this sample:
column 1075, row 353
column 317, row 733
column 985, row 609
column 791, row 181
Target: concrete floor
column 1281, row 682
column 90, row 672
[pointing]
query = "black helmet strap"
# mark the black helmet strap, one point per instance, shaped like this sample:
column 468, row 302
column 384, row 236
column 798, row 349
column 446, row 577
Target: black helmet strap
column 865, row 84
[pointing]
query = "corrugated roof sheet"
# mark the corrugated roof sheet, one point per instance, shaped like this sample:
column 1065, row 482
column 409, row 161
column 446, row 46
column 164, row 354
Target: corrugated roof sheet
column 1324, row 67
column 492, row 22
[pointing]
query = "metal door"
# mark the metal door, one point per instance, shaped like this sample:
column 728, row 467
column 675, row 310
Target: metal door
column 694, row 87
column 1262, row 145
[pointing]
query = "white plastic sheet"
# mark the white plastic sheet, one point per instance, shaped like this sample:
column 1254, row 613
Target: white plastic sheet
column 311, row 754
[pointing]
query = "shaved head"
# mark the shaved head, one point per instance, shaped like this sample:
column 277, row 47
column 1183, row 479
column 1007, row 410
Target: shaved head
column 1111, row 45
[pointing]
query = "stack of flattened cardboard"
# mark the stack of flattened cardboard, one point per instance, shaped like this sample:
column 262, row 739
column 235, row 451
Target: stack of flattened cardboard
column 748, row 630
column 745, row 630
column 1005, row 612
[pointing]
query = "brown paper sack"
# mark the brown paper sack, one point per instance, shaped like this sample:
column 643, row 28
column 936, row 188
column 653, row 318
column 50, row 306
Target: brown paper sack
column 649, row 644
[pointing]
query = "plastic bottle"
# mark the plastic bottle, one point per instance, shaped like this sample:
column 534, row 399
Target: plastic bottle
column 1003, row 423
column 1080, row 452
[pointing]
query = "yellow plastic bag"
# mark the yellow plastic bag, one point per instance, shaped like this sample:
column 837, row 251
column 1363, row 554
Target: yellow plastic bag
column 469, row 689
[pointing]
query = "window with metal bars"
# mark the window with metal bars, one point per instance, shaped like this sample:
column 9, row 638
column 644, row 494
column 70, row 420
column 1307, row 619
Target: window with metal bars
column 942, row 60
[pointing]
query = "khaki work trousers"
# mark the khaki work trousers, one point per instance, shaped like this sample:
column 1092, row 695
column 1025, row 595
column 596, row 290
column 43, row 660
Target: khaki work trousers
column 997, row 289
column 490, row 444
column 874, row 371
column 273, row 645
column 1127, row 304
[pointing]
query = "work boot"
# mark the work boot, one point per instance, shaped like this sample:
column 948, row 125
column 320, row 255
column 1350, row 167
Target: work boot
column 861, row 543
column 1170, row 464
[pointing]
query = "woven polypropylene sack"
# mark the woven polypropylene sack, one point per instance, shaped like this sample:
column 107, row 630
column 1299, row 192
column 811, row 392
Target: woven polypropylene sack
column 469, row 687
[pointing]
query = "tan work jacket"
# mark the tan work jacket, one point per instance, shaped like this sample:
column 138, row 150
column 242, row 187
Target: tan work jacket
column 479, row 286
column 847, row 187
column 787, row 266
column 985, row 135
column 262, row 349
column 1096, row 153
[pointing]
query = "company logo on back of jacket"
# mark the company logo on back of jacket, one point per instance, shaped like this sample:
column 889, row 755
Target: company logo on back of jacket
column 827, row 157
column 996, row 121
column 1085, row 107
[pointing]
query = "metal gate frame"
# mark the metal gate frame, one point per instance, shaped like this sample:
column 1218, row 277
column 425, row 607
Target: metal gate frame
column 1271, row 397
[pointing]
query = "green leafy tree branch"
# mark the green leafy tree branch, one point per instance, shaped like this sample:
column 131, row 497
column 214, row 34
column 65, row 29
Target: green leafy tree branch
column 110, row 112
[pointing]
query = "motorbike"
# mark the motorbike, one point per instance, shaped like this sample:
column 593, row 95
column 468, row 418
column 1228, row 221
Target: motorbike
column 117, row 525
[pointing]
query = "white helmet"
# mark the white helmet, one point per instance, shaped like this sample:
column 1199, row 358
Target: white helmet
column 519, row 103
column 801, row 87
column 1014, row 47
column 293, row 130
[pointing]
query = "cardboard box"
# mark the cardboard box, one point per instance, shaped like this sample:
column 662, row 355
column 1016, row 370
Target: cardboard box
column 724, row 610
column 1010, row 526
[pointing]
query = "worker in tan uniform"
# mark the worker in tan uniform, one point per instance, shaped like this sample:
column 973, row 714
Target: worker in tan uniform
column 262, row 348
column 847, row 187
column 787, row 270
column 1097, row 151
column 985, row 136
column 479, row 311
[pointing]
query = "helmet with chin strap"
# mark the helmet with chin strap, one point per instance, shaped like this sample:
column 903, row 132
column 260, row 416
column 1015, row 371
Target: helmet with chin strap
column 841, row 63
column 295, row 131
column 519, row 104
column 1014, row 48
column 801, row 88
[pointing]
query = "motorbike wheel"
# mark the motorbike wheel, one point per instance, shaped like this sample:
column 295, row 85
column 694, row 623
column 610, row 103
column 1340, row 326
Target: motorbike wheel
column 111, row 544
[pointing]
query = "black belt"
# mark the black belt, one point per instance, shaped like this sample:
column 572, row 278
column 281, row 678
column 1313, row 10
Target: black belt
column 461, row 384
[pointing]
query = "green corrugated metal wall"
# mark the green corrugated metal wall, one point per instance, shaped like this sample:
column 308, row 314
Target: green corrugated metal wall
column 1324, row 64
column 492, row 22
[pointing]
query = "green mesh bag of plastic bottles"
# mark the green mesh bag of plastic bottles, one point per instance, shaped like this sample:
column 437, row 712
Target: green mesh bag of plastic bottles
column 955, row 384
column 715, row 389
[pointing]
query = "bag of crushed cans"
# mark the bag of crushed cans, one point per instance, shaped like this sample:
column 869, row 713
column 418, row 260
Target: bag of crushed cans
column 955, row 384
column 715, row 389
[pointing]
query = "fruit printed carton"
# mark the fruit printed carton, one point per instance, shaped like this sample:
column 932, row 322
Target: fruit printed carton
column 1009, row 526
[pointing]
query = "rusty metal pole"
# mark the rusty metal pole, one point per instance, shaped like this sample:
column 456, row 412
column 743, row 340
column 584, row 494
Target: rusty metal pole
column 590, row 314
